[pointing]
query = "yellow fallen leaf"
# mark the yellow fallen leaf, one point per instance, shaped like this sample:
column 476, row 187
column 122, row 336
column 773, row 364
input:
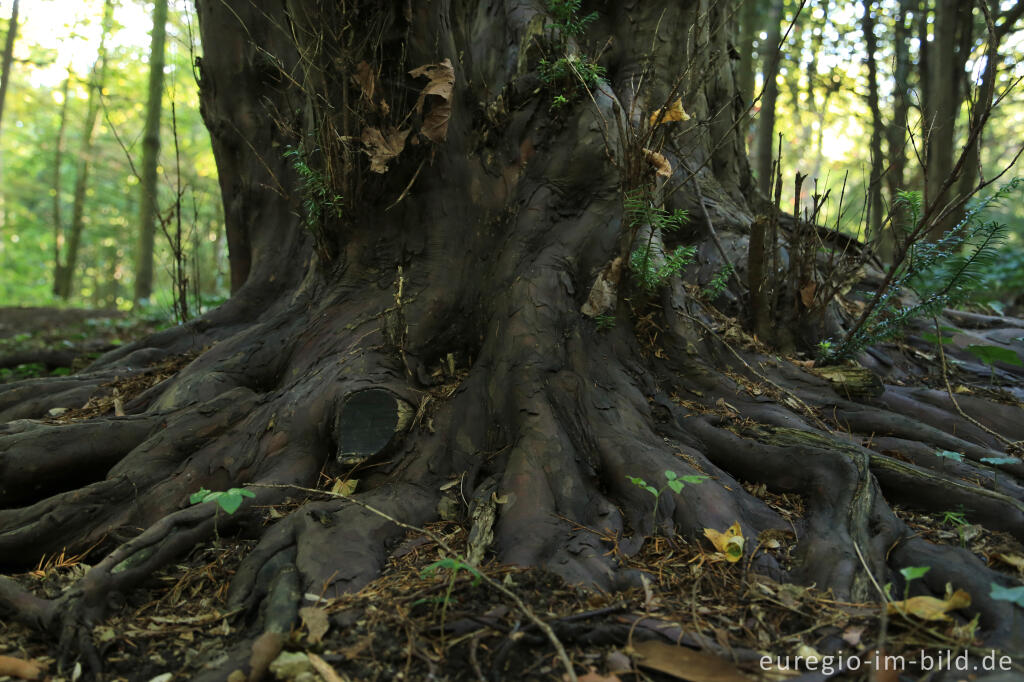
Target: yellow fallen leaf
column 1014, row 560
column 729, row 543
column 931, row 608
column 673, row 113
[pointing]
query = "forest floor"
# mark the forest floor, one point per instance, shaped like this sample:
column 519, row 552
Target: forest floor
column 428, row 617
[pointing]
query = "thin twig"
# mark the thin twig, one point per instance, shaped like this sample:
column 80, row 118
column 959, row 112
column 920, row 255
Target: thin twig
column 520, row 604
column 949, row 391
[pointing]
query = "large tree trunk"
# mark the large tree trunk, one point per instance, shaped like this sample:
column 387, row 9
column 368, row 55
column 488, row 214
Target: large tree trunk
column 431, row 331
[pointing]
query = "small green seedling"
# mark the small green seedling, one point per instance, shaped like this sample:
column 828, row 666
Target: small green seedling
column 999, row 460
column 911, row 573
column 454, row 565
column 229, row 500
column 954, row 518
column 604, row 322
column 949, row 454
column 673, row 481
column 1010, row 594
column 990, row 355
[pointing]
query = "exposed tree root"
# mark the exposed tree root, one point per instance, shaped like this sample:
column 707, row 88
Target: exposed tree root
column 442, row 363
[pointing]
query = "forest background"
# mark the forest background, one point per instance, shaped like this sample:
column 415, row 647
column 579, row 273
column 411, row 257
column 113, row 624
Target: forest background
column 845, row 93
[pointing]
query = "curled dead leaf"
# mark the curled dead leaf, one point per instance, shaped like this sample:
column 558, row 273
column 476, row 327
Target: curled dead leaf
column 674, row 112
column 931, row 608
column 441, row 83
column 661, row 165
column 729, row 543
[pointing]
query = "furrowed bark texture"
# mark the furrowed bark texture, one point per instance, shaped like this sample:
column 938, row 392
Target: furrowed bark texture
column 431, row 331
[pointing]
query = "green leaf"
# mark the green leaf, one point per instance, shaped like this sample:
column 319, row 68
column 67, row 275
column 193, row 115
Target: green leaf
column 230, row 501
column 197, row 497
column 1010, row 594
column 913, row 572
column 671, row 475
column 999, row 460
column 949, row 454
column 242, row 491
column 695, row 479
column 993, row 354
column 676, row 485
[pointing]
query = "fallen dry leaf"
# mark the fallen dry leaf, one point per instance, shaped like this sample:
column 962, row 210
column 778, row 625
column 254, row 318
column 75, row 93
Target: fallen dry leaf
column 931, row 608
column 383, row 147
column 673, row 113
column 15, row 667
column 315, row 620
column 1014, row 560
column 441, row 83
column 661, row 165
column 729, row 543
column 686, row 664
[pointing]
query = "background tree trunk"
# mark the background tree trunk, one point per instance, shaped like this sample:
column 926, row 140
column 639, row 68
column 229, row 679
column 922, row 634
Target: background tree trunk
column 63, row 286
column 148, row 205
column 58, row 163
column 770, row 59
column 8, row 56
column 873, row 219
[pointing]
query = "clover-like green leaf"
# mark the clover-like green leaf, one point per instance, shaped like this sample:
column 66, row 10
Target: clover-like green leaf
column 913, row 572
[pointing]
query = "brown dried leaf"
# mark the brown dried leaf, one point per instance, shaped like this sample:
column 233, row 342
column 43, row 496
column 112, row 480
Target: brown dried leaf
column 315, row 620
column 807, row 292
column 381, row 147
column 366, row 80
column 442, row 79
column 435, row 125
column 441, row 83
column 660, row 163
column 686, row 664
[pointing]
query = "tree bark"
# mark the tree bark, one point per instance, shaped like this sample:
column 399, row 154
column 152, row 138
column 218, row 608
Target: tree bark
column 873, row 219
column 148, row 205
column 8, row 56
column 439, row 333
column 946, row 90
column 58, row 163
column 64, row 285
column 770, row 60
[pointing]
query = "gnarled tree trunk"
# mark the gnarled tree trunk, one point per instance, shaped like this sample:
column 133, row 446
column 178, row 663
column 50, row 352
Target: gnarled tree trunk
column 423, row 324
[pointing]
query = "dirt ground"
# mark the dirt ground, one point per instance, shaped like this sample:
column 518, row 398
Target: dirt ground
column 696, row 614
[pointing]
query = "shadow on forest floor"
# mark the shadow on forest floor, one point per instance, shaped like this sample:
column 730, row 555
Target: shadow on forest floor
column 39, row 341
